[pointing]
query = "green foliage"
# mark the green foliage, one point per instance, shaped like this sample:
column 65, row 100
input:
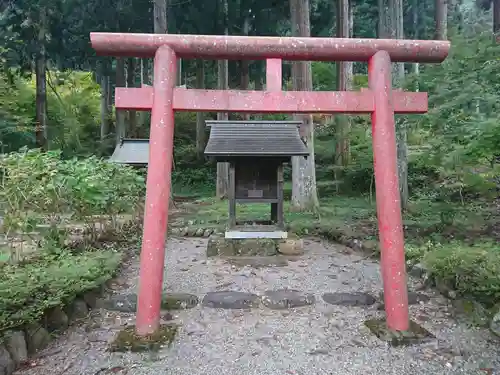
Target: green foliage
column 45, row 183
column 191, row 169
column 415, row 253
column 73, row 112
column 453, row 150
column 462, row 129
column 16, row 113
column 324, row 76
column 96, row 187
column 472, row 270
column 41, row 188
column 27, row 291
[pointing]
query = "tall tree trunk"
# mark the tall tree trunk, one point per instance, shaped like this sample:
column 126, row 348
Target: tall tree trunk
column 496, row 16
column 179, row 72
column 143, row 115
column 41, row 132
column 258, row 87
column 200, row 117
column 132, row 115
column 245, row 79
column 304, row 193
column 383, row 19
column 401, row 131
column 120, row 114
column 416, row 35
column 222, row 83
column 160, row 16
column 294, row 20
column 344, row 83
column 441, row 10
column 457, row 15
column 391, row 26
column 104, row 81
column 110, row 96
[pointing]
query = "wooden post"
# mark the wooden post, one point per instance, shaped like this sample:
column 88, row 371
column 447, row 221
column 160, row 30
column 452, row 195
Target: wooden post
column 232, row 195
column 274, row 212
column 280, row 223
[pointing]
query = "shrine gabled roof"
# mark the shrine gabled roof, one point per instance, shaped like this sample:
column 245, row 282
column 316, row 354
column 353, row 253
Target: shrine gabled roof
column 255, row 138
column 132, row 152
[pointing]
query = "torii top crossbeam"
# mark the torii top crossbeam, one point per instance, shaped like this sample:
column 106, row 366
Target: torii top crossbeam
column 265, row 47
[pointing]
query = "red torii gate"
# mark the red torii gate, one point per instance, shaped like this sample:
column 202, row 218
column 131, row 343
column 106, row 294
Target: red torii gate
column 164, row 98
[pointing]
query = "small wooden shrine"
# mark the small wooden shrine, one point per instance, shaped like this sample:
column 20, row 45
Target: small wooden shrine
column 256, row 152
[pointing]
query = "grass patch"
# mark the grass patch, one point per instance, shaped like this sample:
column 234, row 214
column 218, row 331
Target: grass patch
column 356, row 216
column 215, row 211
column 56, row 213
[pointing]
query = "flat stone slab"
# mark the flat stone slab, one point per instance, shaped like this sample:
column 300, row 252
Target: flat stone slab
column 286, row 299
column 349, row 299
column 258, row 262
column 230, row 300
column 240, row 234
column 127, row 303
column 415, row 335
column 178, row 301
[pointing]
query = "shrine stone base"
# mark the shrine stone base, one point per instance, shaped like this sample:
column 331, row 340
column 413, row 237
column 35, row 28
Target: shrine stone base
column 218, row 245
column 255, row 230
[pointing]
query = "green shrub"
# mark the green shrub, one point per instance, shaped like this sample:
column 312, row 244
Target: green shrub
column 96, row 187
column 471, row 270
column 42, row 189
column 17, row 112
column 44, row 183
column 28, row 290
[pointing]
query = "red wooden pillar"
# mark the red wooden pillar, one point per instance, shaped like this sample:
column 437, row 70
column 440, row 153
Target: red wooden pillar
column 161, row 146
column 387, row 193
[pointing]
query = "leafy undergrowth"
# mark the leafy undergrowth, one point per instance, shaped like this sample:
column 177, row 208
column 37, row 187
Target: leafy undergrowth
column 44, row 197
column 76, row 217
column 471, row 270
column 27, row 291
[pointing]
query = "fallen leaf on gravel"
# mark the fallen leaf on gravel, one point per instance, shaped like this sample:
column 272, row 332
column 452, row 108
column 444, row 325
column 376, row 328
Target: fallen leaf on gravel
column 116, row 369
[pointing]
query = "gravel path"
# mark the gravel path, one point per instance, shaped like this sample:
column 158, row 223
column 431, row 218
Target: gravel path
column 310, row 340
